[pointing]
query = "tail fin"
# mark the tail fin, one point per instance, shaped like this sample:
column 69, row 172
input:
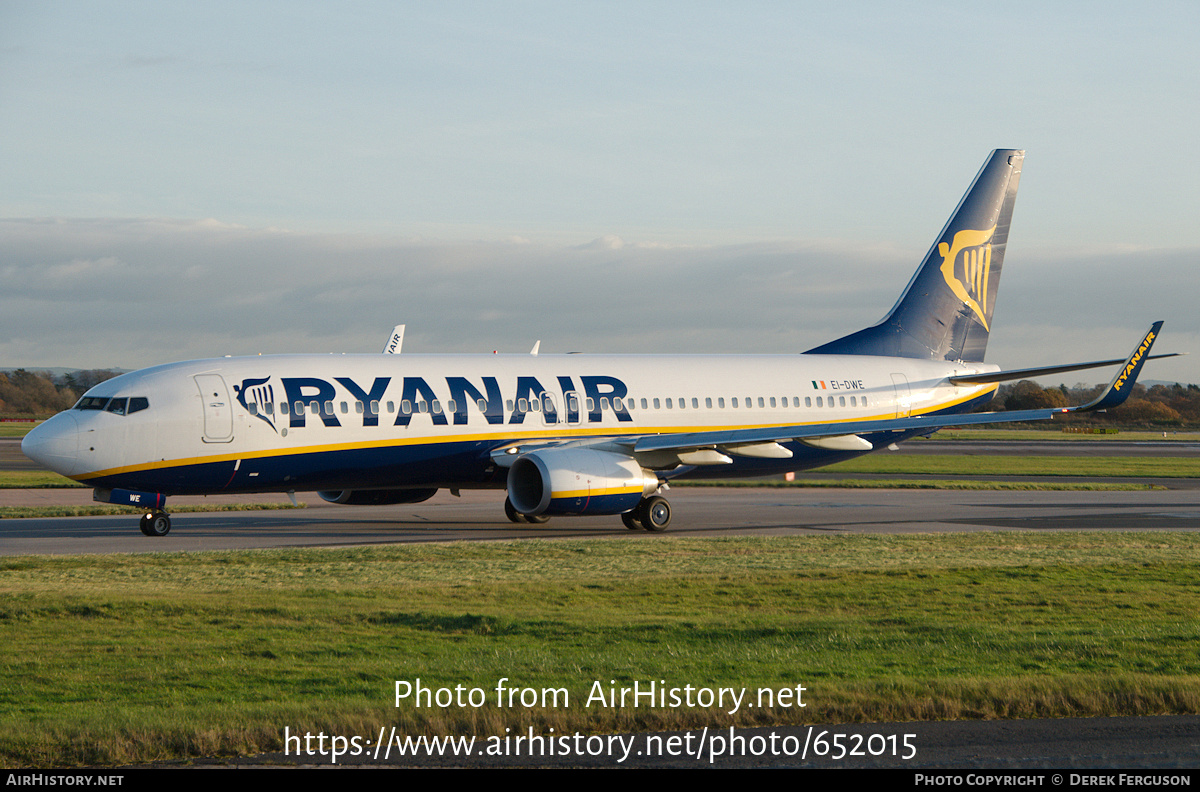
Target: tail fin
column 945, row 313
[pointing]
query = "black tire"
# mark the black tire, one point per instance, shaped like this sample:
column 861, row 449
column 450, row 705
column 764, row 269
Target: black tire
column 631, row 521
column 156, row 524
column 515, row 516
column 654, row 514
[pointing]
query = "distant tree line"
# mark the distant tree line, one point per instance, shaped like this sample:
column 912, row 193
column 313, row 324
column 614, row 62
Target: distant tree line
column 40, row 393
column 1159, row 405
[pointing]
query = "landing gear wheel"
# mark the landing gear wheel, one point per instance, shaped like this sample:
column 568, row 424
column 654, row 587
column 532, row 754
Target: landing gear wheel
column 631, row 521
column 654, row 514
column 156, row 524
column 515, row 516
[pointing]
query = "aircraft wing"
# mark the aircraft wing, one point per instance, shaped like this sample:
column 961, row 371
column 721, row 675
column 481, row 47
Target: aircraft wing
column 739, row 440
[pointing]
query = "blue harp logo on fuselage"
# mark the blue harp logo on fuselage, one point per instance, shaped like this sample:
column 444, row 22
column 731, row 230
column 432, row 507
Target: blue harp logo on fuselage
column 966, row 266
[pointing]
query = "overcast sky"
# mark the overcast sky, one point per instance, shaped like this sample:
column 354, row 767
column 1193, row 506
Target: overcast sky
column 201, row 179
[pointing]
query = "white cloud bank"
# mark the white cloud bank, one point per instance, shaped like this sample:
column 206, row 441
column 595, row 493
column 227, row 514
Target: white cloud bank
column 132, row 293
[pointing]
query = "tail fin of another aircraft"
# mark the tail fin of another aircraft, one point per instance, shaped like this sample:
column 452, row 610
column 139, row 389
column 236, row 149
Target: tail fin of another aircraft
column 945, row 313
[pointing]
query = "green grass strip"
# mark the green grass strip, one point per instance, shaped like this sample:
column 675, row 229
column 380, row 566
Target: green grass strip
column 930, row 484
column 36, row 479
column 109, row 659
column 931, row 464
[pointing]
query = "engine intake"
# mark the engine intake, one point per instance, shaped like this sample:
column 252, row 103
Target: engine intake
column 577, row 481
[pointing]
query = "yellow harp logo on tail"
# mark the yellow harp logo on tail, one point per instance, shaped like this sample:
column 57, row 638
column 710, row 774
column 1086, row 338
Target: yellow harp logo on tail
column 969, row 282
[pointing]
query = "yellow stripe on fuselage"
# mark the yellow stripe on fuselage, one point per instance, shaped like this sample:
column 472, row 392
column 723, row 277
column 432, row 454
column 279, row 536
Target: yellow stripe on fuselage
column 540, row 433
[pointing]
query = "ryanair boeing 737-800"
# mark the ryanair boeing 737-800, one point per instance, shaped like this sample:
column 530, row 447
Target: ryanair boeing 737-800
column 563, row 434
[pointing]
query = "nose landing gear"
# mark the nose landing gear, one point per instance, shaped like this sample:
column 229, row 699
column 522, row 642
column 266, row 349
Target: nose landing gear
column 156, row 523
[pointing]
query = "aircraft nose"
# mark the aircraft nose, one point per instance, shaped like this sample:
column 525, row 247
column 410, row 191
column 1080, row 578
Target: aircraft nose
column 54, row 444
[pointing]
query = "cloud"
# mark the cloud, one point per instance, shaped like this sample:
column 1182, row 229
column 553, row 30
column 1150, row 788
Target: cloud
column 132, row 293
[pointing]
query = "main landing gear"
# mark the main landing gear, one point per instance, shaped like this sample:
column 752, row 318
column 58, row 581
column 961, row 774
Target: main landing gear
column 652, row 514
column 156, row 523
column 516, row 517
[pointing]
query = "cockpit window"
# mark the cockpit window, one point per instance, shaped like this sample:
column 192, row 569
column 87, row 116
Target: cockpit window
column 121, row 405
column 92, row 403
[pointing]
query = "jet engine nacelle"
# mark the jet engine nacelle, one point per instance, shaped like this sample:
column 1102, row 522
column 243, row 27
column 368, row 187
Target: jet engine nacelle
column 577, row 481
column 377, row 497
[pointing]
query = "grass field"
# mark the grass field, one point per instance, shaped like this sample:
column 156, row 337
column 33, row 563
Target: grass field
column 109, row 659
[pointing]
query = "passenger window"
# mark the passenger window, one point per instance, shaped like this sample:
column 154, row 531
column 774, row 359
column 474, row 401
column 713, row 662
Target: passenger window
column 695, row 403
column 853, row 401
column 346, row 409
column 523, row 405
column 618, row 405
column 375, row 408
column 391, row 407
column 669, row 404
column 795, row 401
column 285, row 408
column 761, row 403
column 657, row 406
column 708, row 402
column 406, row 407
column 328, row 408
column 482, row 405
column 253, row 408
column 268, row 408
column 451, row 406
column 591, row 404
column 358, row 407
column 733, row 401
column 819, row 402
column 644, row 407
column 841, row 401
column 721, row 402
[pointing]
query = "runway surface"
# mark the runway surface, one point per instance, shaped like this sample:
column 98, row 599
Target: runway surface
column 698, row 511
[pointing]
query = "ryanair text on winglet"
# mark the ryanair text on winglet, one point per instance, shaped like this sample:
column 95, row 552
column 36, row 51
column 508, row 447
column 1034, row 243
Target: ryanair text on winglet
column 1134, row 360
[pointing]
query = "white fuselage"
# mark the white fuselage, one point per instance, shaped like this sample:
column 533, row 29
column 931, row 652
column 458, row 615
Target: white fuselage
column 301, row 422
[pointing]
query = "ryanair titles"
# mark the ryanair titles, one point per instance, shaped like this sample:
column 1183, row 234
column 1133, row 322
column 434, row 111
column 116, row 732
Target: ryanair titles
column 452, row 402
column 1135, row 361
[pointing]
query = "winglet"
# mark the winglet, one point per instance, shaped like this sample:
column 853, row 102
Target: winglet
column 1121, row 386
column 395, row 341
